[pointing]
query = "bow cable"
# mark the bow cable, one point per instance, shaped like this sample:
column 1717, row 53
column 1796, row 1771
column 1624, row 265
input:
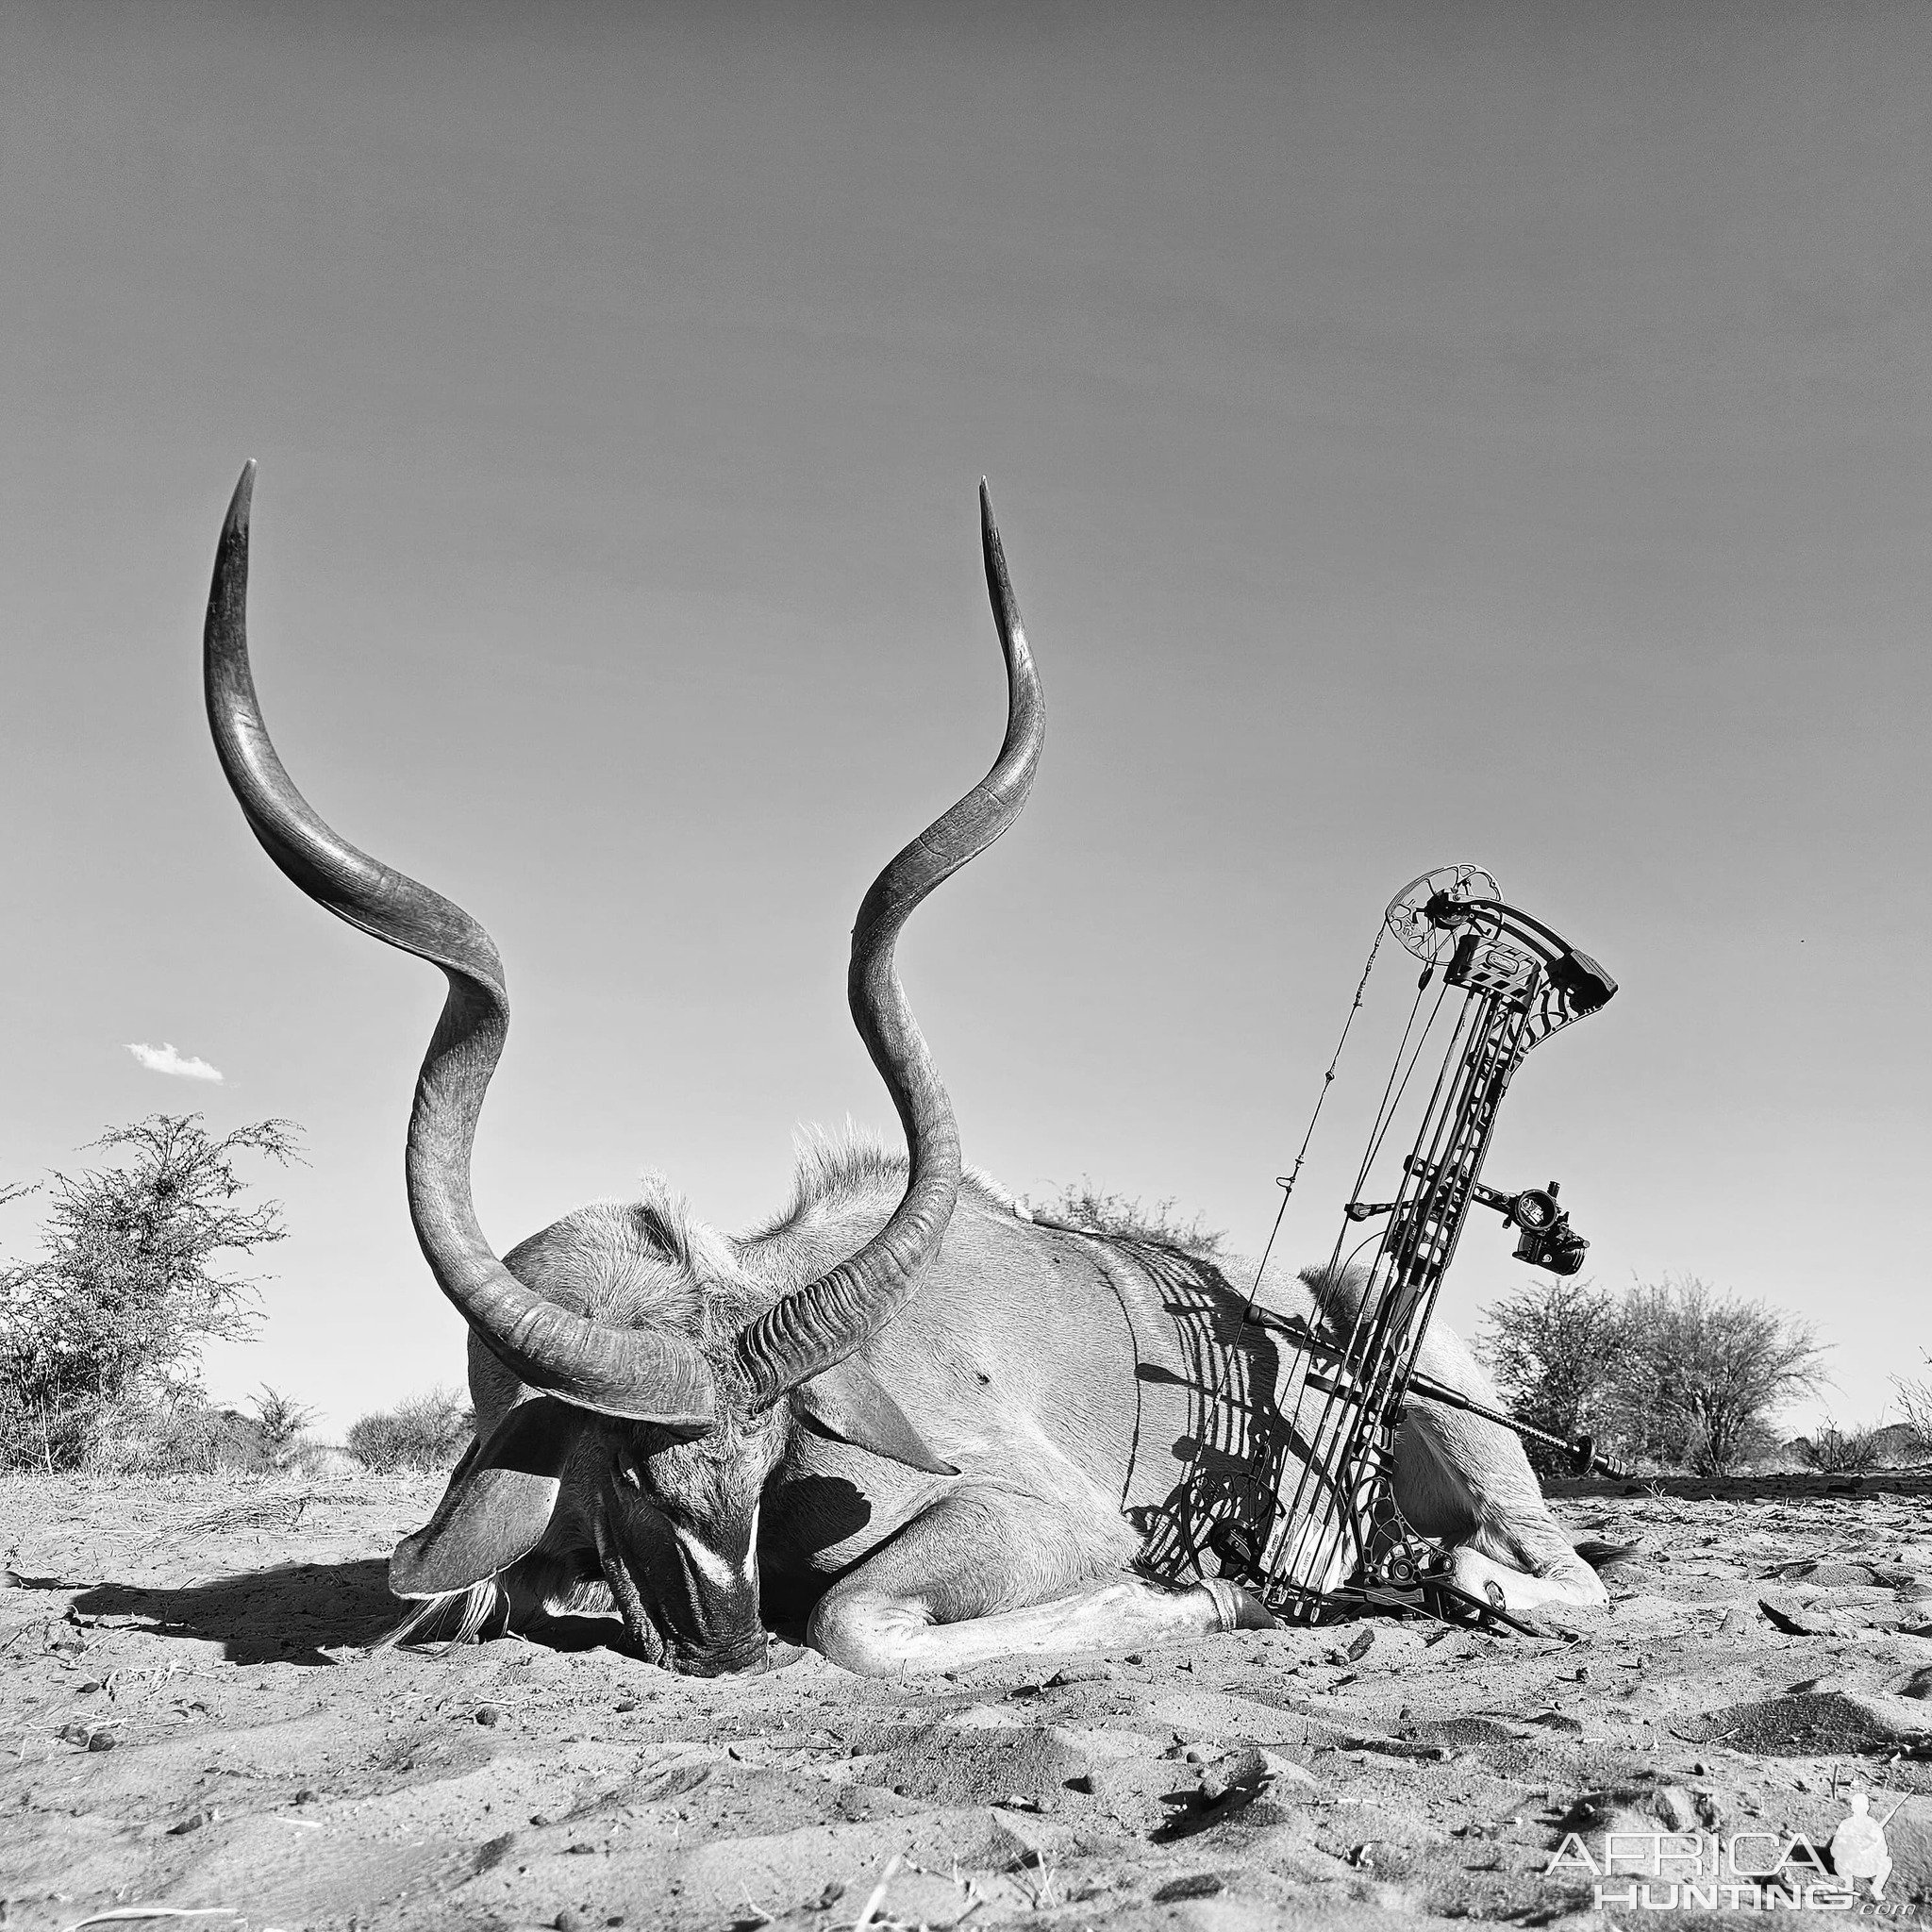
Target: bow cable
column 1286, row 1182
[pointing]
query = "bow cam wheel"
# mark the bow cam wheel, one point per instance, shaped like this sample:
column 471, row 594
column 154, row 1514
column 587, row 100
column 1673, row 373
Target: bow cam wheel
column 1428, row 914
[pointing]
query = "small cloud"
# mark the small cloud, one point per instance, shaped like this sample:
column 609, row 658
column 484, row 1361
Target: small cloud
column 164, row 1059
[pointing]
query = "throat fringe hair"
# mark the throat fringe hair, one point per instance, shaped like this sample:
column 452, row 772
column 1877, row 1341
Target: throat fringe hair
column 473, row 1609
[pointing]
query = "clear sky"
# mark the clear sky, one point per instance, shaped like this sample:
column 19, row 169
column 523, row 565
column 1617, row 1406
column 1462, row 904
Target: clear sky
column 1419, row 432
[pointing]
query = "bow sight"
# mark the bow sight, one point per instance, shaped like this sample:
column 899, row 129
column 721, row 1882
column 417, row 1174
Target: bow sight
column 1548, row 1240
column 1337, row 1540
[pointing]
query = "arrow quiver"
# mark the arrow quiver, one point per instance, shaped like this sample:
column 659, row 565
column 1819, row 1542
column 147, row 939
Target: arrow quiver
column 1336, row 1541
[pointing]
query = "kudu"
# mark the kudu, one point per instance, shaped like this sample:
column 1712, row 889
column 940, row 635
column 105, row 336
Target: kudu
column 708, row 1437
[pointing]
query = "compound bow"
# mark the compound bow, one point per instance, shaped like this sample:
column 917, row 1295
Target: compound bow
column 1337, row 1541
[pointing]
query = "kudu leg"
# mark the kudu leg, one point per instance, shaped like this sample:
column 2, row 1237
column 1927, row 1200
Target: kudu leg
column 978, row 1577
column 1467, row 1483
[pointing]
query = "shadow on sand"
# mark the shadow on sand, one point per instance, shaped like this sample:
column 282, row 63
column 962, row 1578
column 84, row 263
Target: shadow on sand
column 290, row 1614
column 299, row 1613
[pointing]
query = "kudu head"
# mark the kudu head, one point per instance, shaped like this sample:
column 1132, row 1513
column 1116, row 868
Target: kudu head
column 653, row 1407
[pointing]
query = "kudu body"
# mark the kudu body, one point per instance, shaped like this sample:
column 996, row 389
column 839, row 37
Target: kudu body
column 708, row 1436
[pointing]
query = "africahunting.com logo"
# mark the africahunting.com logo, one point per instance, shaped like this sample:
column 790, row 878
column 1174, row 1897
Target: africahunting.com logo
column 1744, row 1871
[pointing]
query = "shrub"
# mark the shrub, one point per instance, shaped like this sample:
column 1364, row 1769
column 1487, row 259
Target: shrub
column 425, row 1432
column 1843, row 1452
column 283, row 1422
column 1703, row 1373
column 1085, row 1207
column 103, row 1332
column 185, row 1435
column 1555, row 1349
column 1915, row 1405
column 1671, row 1372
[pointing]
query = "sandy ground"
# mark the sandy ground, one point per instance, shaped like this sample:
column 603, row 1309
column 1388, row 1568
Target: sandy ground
column 191, row 1722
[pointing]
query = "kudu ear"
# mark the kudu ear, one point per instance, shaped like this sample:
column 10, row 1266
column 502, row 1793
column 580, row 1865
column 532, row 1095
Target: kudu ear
column 497, row 1505
column 849, row 1403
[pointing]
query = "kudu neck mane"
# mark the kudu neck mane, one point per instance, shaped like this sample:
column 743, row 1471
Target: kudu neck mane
column 840, row 1174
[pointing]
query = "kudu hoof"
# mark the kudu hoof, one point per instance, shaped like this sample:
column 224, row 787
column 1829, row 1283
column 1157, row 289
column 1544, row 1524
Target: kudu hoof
column 1239, row 1608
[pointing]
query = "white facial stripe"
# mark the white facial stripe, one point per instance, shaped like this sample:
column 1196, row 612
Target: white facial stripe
column 704, row 1560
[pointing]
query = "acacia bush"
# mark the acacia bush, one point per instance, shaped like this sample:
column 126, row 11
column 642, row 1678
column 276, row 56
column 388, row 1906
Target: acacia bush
column 424, row 1432
column 100, row 1338
column 282, row 1424
column 1669, row 1373
column 1557, row 1350
column 1708, row 1372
